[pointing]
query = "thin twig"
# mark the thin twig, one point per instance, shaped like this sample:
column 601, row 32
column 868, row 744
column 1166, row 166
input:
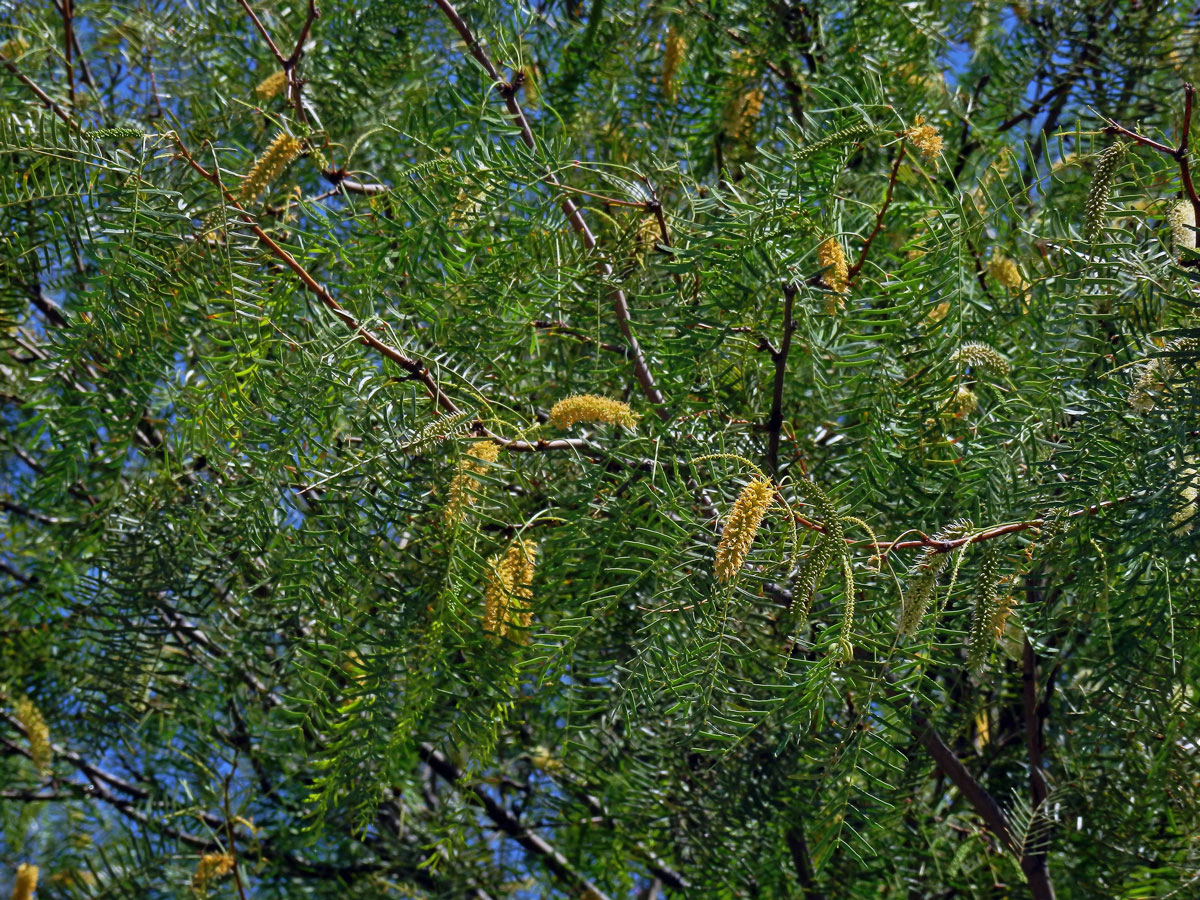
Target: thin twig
column 266, row 35
column 40, row 94
column 551, row 858
column 66, row 7
column 887, row 201
column 311, row 16
column 416, row 370
column 570, row 210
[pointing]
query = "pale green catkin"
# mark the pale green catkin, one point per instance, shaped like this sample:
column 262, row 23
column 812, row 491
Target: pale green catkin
column 837, row 139
column 808, row 579
column 845, row 647
column 1182, row 220
column 925, row 572
column 990, row 609
column 99, row 134
column 1098, row 196
column 983, row 358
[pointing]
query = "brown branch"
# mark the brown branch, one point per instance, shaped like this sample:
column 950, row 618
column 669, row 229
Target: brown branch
column 802, row 861
column 887, row 201
column 950, row 766
column 266, row 35
column 40, row 94
column 563, row 328
column 416, row 370
column 311, row 16
column 66, row 7
column 1179, row 154
column 1034, row 861
column 1033, row 724
column 570, row 210
column 551, row 858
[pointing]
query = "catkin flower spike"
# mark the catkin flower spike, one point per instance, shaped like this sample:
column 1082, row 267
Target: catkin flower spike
column 508, row 591
column 983, row 358
column 1182, row 219
column 741, row 527
column 1184, row 519
column 925, row 138
column 925, row 572
column 672, row 57
column 272, row 85
column 809, row 577
column 474, row 462
column 1007, row 273
column 962, row 402
column 1100, row 191
column 740, row 114
column 268, row 167
column 591, row 408
column 832, row 258
column 36, row 733
column 26, row 882
column 990, row 609
column 839, row 138
column 211, row 867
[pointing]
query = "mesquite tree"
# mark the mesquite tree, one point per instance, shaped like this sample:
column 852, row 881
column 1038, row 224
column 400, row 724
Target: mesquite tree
column 608, row 449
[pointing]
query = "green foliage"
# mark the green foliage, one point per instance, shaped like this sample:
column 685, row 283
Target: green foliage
column 238, row 385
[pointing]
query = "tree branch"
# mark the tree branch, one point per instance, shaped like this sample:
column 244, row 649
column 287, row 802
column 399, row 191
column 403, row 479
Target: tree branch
column 887, row 201
column 570, row 210
column 554, row 861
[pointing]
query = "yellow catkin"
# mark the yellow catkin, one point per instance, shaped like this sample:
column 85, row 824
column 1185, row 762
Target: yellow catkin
column 37, row 733
column 740, row 114
column 591, row 408
column 963, row 402
column 266, row 169
column 26, row 882
column 272, row 85
column 672, row 57
column 11, row 49
column 211, row 867
column 508, row 591
column 1182, row 219
column 474, row 462
column 1007, row 273
column 832, row 258
column 925, row 138
column 741, row 527
column 647, row 237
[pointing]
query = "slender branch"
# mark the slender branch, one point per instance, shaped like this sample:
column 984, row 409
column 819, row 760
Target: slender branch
column 1033, row 724
column 570, row 210
column 311, row 16
column 1034, row 864
column 266, row 35
column 780, row 358
column 66, row 7
column 802, row 861
column 40, row 94
column 887, row 201
column 950, row 765
column 415, row 368
column 1179, row 154
column 565, row 329
column 1185, row 168
column 551, row 858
